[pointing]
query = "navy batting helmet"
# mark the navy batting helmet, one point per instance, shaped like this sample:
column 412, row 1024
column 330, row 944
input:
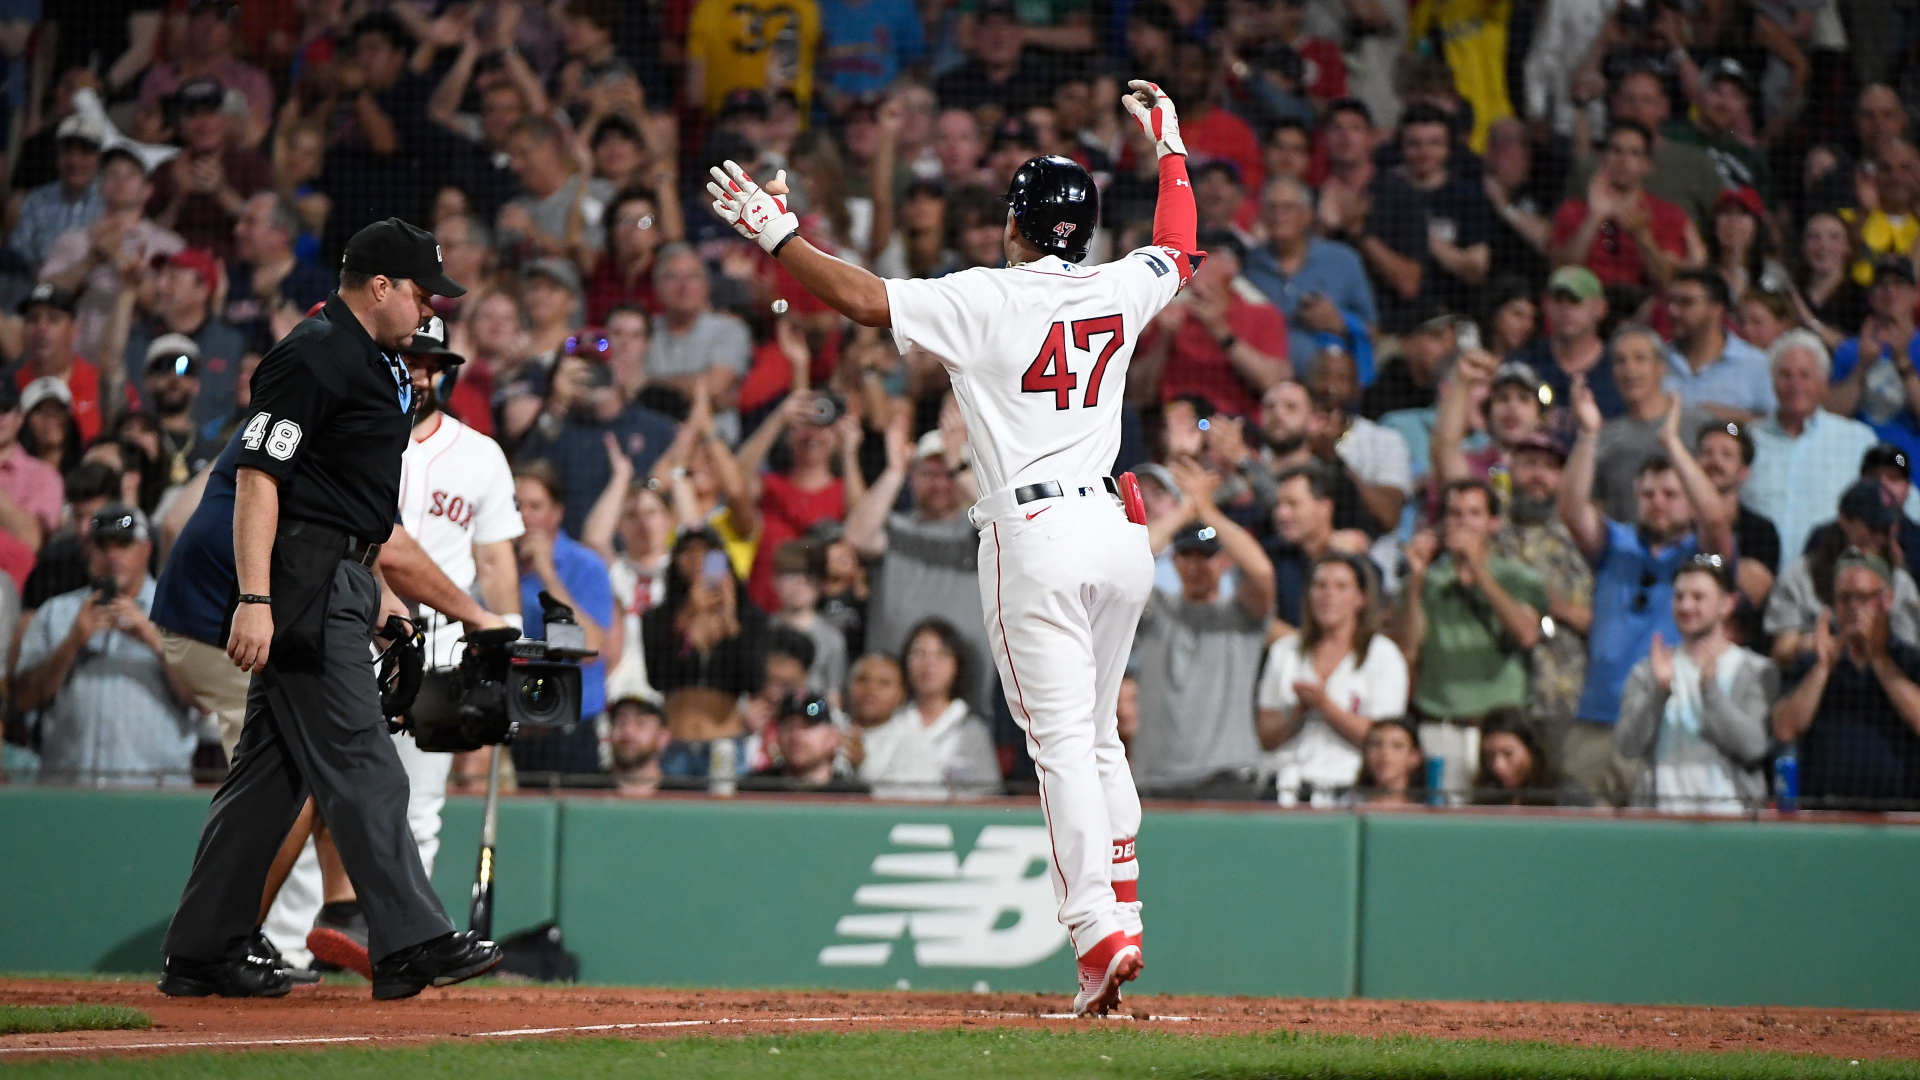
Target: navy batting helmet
column 1055, row 206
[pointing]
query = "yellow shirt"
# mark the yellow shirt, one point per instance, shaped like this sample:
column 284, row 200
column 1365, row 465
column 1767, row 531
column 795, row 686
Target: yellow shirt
column 738, row 40
column 740, row 549
column 1474, row 41
column 1881, row 235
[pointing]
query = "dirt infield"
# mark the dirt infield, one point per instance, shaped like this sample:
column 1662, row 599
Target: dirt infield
column 345, row 1015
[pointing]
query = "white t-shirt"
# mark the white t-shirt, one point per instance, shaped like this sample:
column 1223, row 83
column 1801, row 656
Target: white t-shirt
column 1038, row 355
column 1377, row 455
column 1317, row 754
column 951, row 757
column 456, row 491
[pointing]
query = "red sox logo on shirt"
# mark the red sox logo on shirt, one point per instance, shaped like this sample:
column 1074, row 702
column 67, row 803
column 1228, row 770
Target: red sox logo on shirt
column 454, row 508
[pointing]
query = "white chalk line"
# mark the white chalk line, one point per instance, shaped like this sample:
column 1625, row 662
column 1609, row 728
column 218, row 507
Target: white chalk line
column 517, row 1032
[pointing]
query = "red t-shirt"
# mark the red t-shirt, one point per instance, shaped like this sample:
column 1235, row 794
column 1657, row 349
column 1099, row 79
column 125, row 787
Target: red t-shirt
column 786, row 513
column 1323, row 73
column 83, row 381
column 1198, row 365
column 608, row 288
column 472, row 400
column 1614, row 258
column 16, row 558
column 1221, row 134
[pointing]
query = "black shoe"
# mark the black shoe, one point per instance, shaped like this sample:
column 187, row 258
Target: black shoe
column 262, row 946
column 254, row 976
column 443, row 961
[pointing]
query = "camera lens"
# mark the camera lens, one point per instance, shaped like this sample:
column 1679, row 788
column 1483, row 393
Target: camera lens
column 540, row 696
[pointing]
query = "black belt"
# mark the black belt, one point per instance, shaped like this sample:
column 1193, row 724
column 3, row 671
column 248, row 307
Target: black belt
column 1050, row 489
column 360, row 551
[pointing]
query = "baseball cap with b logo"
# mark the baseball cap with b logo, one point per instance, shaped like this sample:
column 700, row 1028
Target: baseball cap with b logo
column 396, row 249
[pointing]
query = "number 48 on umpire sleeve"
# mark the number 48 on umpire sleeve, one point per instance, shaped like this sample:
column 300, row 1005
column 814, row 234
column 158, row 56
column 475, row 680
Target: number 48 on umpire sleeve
column 1049, row 373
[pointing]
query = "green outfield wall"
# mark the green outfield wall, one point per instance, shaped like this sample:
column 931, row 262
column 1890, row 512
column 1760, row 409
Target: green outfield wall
column 690, row 892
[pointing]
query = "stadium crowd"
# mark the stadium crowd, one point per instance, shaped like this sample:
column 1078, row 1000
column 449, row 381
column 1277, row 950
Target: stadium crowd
column 1538, row 429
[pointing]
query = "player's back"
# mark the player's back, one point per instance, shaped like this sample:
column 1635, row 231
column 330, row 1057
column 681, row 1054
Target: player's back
column 1038, row 355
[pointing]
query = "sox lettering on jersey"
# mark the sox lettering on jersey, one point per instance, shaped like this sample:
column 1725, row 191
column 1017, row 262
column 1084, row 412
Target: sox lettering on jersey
column 456, row 509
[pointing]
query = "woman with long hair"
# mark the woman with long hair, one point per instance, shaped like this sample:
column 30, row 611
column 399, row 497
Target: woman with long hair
column 936, row 747
column 50, row 432
column 1393, row 767
column 1324, row 686
column 1514, row 769
column 1513, row 317
column 1827, row 299
column 1741, row 246
column 705, row 648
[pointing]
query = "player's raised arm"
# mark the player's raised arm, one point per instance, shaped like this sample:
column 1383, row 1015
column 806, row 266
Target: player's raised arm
column 1176, row 221
column 760, row 214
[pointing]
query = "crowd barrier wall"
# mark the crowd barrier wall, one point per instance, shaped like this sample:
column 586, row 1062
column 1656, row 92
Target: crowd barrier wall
column 802, row 892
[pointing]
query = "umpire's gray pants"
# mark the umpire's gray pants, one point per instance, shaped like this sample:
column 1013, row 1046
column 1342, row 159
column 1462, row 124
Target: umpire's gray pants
column 316, row 733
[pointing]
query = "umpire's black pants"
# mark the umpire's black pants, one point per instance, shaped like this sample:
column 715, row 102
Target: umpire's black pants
column 319, row 733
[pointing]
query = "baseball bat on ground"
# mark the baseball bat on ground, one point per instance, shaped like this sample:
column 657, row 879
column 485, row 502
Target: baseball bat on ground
column 480, row 918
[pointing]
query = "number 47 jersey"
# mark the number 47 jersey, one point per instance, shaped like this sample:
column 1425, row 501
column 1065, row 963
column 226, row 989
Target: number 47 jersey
column 1038, row 354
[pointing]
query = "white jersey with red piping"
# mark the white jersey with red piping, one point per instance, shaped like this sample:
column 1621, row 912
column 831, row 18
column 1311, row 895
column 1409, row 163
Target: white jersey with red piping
column 1038, row 355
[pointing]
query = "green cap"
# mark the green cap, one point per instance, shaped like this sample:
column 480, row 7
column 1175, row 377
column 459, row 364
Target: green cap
column 1577, row 280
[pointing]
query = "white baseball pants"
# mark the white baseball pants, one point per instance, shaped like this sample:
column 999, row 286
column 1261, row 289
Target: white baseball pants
column 1063, row 581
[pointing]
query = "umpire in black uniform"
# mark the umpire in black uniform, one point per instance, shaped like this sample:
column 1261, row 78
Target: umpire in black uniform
column 318, row 486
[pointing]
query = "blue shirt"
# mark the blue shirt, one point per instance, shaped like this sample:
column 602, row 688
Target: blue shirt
column 864, row 45
column 578, row 451
column 199, row 579
column 115, row 719
column 1331, row 269
column 47, row 212
column 1738, row 378
column 585, row 575
column 1796, row 483
column 1883, row 394
column 1632, row 601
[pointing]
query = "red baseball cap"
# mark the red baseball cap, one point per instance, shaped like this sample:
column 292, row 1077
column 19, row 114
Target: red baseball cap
column 1746, row 198
column 200, row 261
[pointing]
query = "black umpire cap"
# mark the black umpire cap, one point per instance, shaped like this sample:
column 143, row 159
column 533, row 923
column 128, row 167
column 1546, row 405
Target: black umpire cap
column 395, row 249
column 1055, row 206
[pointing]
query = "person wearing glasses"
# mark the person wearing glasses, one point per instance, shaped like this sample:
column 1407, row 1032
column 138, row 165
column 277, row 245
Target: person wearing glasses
column 1869, row 522
column 1853, row 697
column 1625, row 234
column 1693, row 716
column 1680, row 515
column 624, row 272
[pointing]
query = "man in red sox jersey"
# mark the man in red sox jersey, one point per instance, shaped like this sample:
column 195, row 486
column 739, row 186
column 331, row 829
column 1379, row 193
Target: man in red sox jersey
column 1038, row 353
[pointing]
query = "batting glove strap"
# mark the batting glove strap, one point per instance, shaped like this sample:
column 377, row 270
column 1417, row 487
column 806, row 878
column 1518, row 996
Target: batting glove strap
column 754, row 212
column 1159, row 121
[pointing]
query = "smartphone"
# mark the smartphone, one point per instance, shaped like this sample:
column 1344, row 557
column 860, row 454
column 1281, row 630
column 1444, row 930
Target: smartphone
column 716, row 566
column 1466, row 335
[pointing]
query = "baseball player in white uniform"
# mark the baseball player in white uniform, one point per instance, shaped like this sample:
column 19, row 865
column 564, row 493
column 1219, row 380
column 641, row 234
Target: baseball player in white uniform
column 1038, row 354
column 456, row 501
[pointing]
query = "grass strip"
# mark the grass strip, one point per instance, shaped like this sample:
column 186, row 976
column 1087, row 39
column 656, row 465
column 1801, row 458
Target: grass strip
column 38, row 1019
column 1004, row 1053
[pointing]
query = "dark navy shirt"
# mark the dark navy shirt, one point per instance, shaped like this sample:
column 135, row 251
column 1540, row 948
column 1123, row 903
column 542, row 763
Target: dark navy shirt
column 1858, row 747
column 198, row 581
